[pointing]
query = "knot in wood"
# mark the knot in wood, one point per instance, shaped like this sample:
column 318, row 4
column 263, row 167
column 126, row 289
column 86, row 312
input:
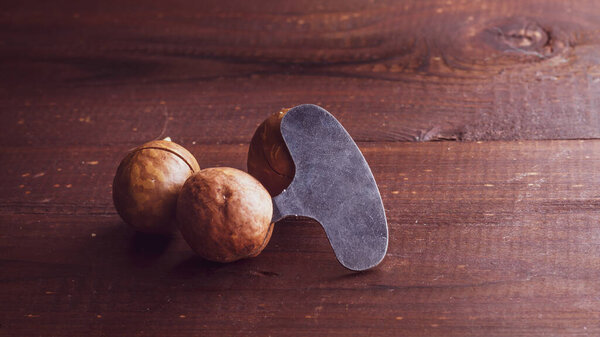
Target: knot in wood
column 523, row 37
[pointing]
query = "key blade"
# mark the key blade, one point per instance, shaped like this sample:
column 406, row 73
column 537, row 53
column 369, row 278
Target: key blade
column 334, row 185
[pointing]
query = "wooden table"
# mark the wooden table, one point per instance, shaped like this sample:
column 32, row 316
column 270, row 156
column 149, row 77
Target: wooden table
column 479, row 120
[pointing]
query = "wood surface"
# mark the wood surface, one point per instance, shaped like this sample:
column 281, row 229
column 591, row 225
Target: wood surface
column 494, row 228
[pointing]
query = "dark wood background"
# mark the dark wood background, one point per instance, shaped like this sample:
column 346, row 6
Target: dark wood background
column 478, row 118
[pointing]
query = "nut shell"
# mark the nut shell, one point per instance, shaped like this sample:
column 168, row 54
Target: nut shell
column 224, row 214
column 269, row 159
column 147, row 184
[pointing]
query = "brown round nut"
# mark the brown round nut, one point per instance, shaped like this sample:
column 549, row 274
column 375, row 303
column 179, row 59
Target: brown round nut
column 147, row 184
column 269, row 159
column 224, row 214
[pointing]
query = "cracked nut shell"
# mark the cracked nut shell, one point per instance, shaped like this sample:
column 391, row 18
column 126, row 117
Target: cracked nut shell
column 224, row 214
column 269, row 159
column 147, row 184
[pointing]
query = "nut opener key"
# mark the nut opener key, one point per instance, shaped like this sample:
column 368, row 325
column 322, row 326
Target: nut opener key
column 334, row 185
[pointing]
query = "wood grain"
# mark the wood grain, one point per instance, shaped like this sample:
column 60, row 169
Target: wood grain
column 492, row 238
column 486, row 239
column 212, row 70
